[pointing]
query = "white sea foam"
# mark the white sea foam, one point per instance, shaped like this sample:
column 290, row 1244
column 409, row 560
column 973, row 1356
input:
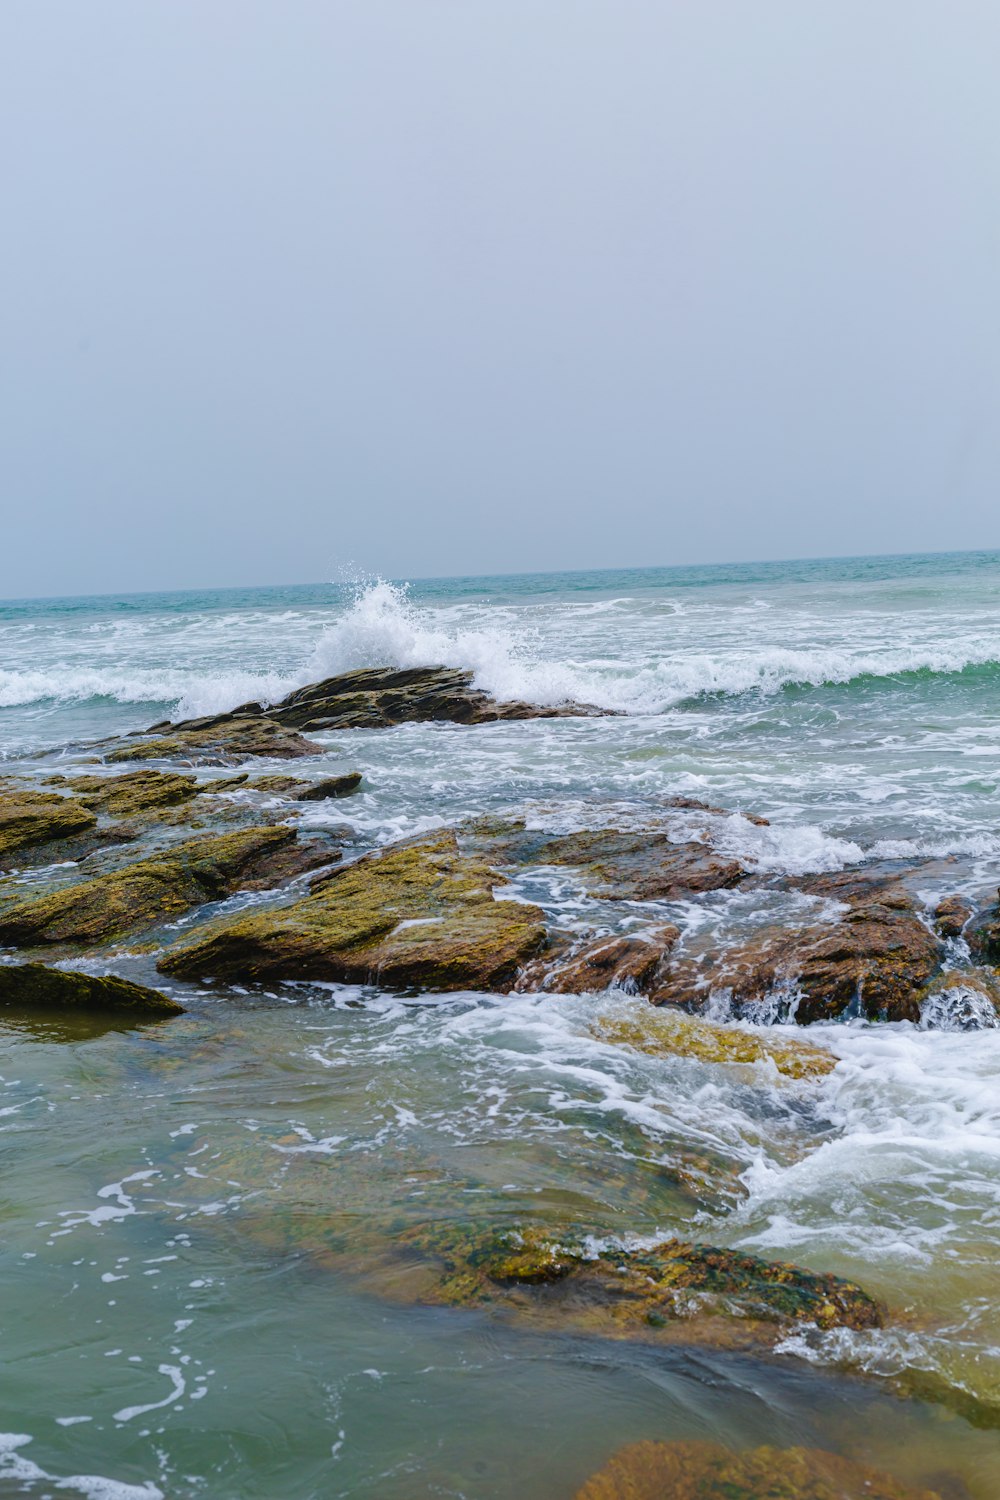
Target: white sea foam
column 15, row 1466
column 547, row 653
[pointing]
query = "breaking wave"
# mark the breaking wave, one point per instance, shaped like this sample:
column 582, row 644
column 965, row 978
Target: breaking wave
column 546, row 655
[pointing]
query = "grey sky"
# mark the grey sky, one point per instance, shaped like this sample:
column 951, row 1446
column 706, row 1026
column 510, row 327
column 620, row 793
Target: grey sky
column 443, row 286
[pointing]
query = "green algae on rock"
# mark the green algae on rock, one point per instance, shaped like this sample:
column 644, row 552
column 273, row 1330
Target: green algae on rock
column 670, row 1032
column 29, row 818
column 127, row 795
column 35, row 986
column 417, row 913
column 629, row 1290
column 157, row 888
column 708, row 1471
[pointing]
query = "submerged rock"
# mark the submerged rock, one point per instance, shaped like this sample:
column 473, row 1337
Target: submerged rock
column 669, row 1032
column 34, row 986
column 160, row 887
column 614, row 864
column 878, row 956
column 629, row 963
column 417, row 913
column 708, row 1471
column 29, row 819
column 629, row 1291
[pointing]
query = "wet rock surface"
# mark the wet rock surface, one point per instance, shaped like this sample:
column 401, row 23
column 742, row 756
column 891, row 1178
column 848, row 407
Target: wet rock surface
column 221, row 741
column 633, row 964
column 127, row 795
column 614, row 864
column 418, row 913
column 875, row 957
column 708, row 1471
column 37, row 987
column 666, row 1032
column 158, row 887
column 29, row 819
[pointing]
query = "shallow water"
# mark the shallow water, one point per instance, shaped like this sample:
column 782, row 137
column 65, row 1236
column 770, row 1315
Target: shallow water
column 175, row 1322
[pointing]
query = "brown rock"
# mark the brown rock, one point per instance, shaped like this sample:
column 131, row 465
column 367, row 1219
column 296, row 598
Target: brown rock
column 878, row 955
column 951, row 915
column 614, row 864
column 633, row 964
column 219, row 741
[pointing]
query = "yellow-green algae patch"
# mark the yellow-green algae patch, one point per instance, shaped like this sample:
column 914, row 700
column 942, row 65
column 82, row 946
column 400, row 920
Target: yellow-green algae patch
column 669, row 1032
column 148, row 891
column 417, row 913
column 708, row 1471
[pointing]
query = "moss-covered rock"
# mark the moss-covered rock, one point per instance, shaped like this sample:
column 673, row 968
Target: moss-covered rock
column 131, row 794
column 29, row 819
column 332, row 786
column 415, row 914
column 669, row 1032
column 877, row 956
column 708, row 1471
column 36, row 987
column 155, row 889
column 629, row 963
column 632, row 1291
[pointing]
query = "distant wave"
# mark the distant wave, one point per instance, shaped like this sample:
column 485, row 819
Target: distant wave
column 383, row 627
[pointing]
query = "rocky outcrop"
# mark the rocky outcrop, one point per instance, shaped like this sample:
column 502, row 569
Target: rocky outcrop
column 36, row 987
column 376, row 697
column 417, row 913
column 708, row 1471
column 29, row 819
column 633, row 964
column 614, row 864
column 667, row 1032
column 332, row 786
column 877, row 956
column 159, row 887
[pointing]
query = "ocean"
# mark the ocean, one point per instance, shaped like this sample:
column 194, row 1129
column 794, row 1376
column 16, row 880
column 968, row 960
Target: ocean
column 159, row 1344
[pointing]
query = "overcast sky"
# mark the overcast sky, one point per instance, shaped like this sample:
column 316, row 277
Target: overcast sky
column 449, row 286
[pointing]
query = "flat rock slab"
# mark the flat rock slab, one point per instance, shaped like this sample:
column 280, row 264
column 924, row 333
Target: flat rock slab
column 35, row 986
column 216, row 742
column 614, row 864
column 415, row 914
column 129, row 794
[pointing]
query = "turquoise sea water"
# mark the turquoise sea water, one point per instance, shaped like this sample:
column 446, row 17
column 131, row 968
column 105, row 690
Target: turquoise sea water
column 156, row 1343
